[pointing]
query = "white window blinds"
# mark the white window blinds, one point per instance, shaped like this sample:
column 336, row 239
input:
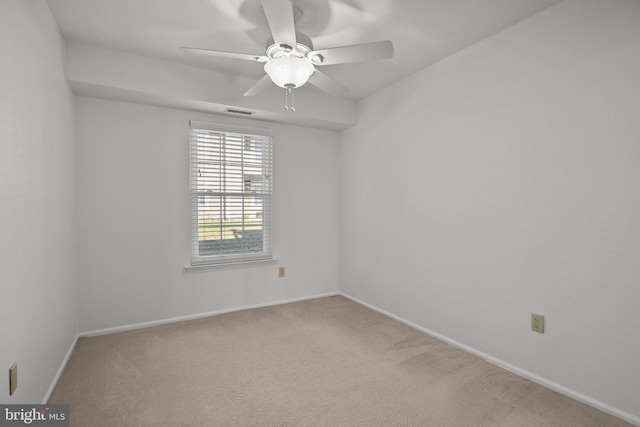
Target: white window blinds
column 231, row 186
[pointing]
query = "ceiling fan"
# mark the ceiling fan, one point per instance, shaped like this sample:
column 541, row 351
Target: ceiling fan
column 290, row 60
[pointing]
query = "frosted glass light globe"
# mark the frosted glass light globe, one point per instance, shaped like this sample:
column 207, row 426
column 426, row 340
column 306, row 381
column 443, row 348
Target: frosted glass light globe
column 289, row 70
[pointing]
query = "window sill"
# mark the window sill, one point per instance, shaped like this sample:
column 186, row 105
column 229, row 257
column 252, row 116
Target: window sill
column 228, row 265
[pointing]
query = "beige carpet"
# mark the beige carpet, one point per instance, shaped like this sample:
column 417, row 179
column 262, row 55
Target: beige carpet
column 324, row 362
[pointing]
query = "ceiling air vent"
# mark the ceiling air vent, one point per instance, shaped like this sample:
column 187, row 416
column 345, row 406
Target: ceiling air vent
column 241, row 112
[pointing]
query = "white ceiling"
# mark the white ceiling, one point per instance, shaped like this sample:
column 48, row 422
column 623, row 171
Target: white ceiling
column 423, row 31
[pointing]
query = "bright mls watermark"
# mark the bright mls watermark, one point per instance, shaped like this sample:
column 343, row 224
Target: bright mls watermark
column 35, row 415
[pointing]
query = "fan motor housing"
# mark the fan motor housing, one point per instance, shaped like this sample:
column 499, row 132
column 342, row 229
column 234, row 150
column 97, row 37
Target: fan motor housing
column 304, row 46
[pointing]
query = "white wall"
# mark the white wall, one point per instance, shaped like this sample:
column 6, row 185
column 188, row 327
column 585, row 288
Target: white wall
column 134, row 218
column 38, row 287
column 503, row 181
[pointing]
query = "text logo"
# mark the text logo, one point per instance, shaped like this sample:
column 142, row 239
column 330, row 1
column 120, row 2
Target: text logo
column 35, row 415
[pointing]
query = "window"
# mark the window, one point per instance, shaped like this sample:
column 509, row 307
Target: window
column 231, row 187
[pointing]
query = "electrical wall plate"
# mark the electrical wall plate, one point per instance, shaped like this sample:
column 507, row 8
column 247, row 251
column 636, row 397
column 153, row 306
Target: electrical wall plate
column 13, row 378
column 537, row 323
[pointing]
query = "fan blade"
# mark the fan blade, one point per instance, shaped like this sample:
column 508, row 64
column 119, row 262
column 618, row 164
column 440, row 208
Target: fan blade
column 223, row 54
column 257, row 88
column 355, row 53
column 280, row 17
column 328, row 84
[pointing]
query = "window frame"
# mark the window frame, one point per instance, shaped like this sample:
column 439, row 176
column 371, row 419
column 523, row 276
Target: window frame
column 264, row 137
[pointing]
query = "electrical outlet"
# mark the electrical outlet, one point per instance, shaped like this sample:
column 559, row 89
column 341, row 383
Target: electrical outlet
column 280, row 271
column 13, row 378
column 537, row 323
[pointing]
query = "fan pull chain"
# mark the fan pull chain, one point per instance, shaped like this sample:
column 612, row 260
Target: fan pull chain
column 289, row 91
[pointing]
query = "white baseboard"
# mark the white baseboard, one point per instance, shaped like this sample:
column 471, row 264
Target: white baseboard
column 197, row 316
column 630, row 418
column 60, row 369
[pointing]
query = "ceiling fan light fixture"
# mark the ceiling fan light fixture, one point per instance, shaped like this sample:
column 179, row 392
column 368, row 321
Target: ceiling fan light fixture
column 291, row 60
column 289, row 71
